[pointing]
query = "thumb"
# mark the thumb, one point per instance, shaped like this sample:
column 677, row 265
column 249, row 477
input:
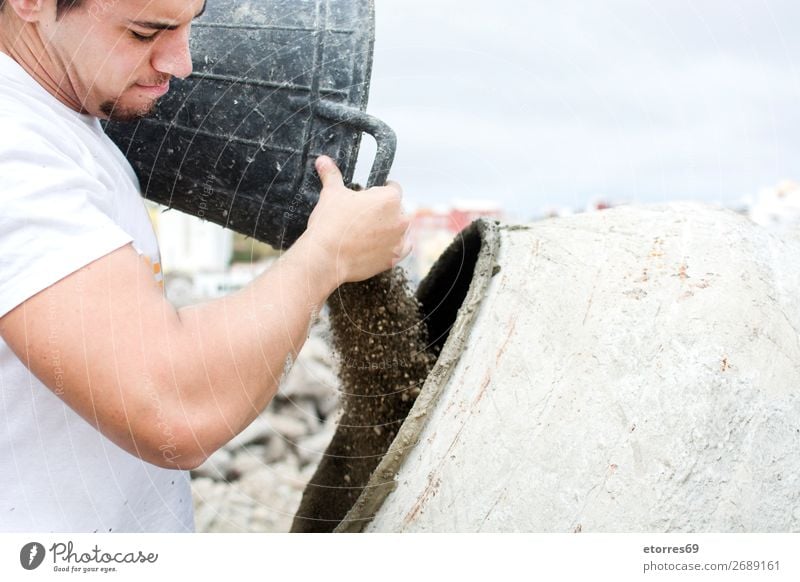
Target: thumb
column 328, row 172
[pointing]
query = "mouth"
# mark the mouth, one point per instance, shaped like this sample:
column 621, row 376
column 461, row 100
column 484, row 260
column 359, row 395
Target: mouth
column 154, row 90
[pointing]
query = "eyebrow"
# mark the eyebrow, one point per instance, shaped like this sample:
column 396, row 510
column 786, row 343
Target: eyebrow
column 164, row 25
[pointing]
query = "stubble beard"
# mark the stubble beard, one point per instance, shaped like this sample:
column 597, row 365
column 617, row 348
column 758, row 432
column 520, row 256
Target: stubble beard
column 113, row 111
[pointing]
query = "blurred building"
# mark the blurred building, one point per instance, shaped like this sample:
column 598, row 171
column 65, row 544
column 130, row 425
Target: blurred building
column 196, row 256
column 592, row 205
column 189, row 244
column 433, row 229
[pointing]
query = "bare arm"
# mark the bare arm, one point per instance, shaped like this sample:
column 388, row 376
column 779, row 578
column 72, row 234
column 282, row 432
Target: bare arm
column 172, row 386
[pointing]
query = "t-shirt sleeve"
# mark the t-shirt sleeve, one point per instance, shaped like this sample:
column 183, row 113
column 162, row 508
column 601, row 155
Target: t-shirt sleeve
column 52, row 220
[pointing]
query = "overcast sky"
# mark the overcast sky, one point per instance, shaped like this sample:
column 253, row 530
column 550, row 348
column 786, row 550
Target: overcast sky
column 537, row 104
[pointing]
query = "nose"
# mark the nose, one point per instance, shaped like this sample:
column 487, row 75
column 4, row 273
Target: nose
column 174, row 57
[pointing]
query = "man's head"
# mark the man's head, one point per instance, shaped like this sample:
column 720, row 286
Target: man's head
column 109, row 58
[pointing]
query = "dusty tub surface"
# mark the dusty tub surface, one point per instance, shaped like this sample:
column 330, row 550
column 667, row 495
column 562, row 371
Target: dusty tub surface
column 635, row 369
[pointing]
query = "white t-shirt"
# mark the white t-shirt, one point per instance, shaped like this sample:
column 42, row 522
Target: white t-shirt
column 67, row 198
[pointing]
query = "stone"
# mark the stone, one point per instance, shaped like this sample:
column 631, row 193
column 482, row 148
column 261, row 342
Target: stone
column 286, row 426
column 247, row 460
column 216, row 466
column 309, row 379
column 303, row 409
column 275, row 450
column 257, row 431
column 311, row 449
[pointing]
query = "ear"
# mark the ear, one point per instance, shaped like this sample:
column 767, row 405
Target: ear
column 28, row 10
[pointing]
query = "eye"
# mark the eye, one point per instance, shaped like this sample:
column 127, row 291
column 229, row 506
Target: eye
column 143, row 37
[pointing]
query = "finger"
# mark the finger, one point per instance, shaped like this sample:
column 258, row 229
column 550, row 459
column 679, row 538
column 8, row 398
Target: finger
column 329, row 174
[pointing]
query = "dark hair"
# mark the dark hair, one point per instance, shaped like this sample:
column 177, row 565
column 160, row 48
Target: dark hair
column 62, row 6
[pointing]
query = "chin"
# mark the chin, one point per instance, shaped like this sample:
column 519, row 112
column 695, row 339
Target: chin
column 114, row 110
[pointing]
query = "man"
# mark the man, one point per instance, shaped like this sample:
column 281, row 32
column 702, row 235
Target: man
column 107, row 393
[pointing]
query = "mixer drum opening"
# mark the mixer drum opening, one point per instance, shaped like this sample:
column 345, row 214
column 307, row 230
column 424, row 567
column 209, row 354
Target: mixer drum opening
column 450, row 296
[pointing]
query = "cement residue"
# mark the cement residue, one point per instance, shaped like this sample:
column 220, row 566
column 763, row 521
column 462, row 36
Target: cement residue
column 383, row 359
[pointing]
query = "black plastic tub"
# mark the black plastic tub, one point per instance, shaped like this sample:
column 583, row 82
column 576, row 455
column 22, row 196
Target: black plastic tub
column 276, row 83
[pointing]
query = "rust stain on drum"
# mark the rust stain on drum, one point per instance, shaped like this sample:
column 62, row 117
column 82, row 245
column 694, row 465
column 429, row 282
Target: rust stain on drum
column 511, row 324
column 430, row 491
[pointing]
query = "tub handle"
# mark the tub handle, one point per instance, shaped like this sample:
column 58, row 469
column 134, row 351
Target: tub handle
column 385, row 138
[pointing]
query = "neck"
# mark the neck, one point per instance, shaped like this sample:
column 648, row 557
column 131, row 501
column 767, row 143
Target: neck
column 23, row 42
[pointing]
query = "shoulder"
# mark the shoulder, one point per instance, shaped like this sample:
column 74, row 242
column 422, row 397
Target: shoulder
column 30, row 155
column 32, row 142
column 41, row 149
column 44, row 165
column 32, row 119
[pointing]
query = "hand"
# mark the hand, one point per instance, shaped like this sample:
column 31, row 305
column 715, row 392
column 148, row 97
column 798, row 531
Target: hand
column 360, row 233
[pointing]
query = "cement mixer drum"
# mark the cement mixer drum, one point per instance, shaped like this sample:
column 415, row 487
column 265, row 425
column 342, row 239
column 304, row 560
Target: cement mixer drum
column 630, row 370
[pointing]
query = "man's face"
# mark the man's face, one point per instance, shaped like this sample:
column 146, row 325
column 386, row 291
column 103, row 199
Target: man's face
column 117, row 56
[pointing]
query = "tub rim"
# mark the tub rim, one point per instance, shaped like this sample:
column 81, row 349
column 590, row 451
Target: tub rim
column 382, row 481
